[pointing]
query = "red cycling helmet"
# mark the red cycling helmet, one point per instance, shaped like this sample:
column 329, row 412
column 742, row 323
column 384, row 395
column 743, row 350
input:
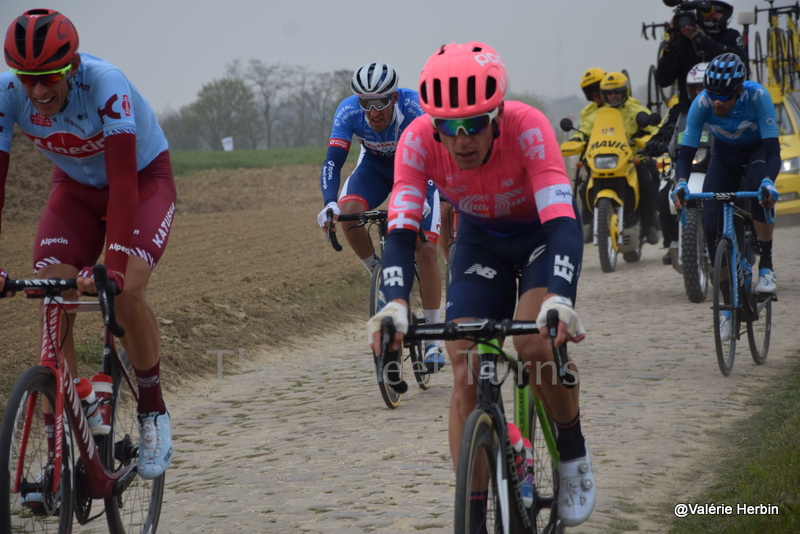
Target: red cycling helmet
column 462, row 80
column 40, row 40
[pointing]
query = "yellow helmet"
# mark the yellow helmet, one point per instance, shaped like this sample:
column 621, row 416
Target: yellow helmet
column 614, row 83
column 590, row 81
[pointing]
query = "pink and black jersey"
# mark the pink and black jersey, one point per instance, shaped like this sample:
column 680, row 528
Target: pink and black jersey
column 523, row 183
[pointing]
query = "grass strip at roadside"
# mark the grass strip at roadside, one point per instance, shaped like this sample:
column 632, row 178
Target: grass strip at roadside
column 185, row 162
column 758, row 464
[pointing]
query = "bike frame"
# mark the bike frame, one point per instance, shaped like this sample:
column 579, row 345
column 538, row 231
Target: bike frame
column 98, row 482
column 743, row 267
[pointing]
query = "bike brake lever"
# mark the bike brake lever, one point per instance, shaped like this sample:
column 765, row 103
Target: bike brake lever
column 559, row 353
column 331, row 236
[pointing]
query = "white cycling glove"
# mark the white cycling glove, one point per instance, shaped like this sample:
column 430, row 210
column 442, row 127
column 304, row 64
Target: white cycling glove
column 566, row 313
column 322, row 218
column 396, row 311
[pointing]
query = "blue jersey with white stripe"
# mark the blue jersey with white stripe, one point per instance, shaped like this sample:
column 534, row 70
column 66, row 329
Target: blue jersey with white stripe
column 102, row 102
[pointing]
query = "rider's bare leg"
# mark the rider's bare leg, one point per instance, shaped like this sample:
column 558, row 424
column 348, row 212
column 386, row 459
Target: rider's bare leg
column 430, row 279
column 357, row 236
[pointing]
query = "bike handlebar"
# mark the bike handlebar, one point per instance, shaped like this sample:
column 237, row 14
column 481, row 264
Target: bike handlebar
column 482, row 330
column 50, row 287
column 372, row 216
column 727, row 197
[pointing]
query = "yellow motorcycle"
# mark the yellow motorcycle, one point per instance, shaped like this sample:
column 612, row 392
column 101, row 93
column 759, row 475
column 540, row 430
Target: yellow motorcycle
column 612, row 194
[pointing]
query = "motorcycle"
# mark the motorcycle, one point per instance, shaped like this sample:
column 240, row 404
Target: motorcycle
column 691, row 259
column 612, row 194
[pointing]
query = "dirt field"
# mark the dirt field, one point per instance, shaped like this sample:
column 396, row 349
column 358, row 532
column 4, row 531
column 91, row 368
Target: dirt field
column 292, row 436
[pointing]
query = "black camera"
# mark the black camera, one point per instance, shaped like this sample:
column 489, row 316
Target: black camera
column 686, row 12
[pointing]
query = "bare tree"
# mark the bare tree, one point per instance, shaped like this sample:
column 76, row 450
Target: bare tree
column 269, row 83
column 224, row 108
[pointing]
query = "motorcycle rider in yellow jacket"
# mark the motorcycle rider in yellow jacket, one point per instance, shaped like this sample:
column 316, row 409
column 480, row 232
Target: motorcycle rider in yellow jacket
column 615, row 92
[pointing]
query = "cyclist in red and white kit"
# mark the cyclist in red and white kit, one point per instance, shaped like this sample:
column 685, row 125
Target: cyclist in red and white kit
column 520, row 238
column 112, row 182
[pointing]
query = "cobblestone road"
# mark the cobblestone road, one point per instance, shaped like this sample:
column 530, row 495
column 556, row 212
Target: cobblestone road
column 300, row 441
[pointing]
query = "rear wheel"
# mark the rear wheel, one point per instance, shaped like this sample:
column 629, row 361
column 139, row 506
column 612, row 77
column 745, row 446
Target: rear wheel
column 758, row 332
column 480, row 455
column 376, row 300
column 694, row 256
column 138, row 508
column 416, row 349
column 775, row 53
column 606, row 235
column 723, row 280
column 789, row 70
column 36, row 507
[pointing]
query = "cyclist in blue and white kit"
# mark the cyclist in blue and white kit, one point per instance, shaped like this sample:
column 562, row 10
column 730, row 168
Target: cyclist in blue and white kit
column 112, row 192
column 376, row 114
column 741, row 116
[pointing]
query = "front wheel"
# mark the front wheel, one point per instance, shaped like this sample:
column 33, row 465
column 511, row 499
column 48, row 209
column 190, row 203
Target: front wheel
column 607, row 229
column 694, row 256
column 138, row 508
column 479, row 456
column 723, row 282
column 36, row 507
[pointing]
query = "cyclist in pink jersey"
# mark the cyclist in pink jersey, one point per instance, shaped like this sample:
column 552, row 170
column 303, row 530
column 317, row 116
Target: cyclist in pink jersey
column 520, row 238
column 112, row 183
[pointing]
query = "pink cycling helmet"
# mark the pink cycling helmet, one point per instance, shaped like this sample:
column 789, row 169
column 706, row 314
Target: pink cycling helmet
column 462, row 80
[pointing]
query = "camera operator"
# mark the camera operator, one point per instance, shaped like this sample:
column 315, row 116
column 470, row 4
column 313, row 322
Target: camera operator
column 698, row 33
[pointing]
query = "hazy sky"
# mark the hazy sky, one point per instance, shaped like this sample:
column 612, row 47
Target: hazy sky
column 170, row 48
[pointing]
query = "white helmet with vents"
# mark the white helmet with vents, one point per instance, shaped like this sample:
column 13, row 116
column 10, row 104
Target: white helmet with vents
column 374, row 80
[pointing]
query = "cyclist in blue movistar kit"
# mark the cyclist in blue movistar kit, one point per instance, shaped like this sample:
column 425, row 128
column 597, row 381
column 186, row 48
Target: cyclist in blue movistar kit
column 112, row 192
column 741, row 116
column 376, row 115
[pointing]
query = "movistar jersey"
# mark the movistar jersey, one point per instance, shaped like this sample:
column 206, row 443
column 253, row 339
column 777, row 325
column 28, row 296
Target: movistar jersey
column 751, row 119
column 102, row 102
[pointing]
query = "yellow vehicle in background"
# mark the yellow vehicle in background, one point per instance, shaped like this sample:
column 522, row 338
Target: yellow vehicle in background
column 787, row 115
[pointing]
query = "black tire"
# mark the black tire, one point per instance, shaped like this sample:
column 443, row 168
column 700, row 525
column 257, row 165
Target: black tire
column 758, row 332
column 775, row 52
column 726, row 350
column 416, row 349
column 138, row 508
column 606, row 222
column 694, row 256
column 478, row 454
column 56, row 516
column 789, row 70
column 654, row 102
column 759, row 60
column 376, row 300
column 544, row 512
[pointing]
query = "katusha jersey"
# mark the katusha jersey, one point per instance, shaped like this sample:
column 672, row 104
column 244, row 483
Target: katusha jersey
column 522, row 184
column 102, row 102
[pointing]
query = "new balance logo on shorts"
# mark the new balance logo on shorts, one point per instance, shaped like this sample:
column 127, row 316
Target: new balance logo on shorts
column 486, row 272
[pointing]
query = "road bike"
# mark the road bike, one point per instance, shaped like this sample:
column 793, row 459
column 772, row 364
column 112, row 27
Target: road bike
column 733, row 271
column 390, row 369
column 783, row 47
column 485, row 445
column 104, row 471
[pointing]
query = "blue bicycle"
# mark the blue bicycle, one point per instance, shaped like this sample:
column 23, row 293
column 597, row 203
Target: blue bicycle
column 733, row 274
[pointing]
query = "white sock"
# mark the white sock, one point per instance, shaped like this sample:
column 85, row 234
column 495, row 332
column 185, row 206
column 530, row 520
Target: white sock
column 432, row 317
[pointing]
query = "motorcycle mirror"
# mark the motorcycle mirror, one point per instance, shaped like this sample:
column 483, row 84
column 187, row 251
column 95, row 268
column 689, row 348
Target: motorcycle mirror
column 746, row 18
column 642, row 119
column 566, row 124
column 655, row 119
column 671, row 3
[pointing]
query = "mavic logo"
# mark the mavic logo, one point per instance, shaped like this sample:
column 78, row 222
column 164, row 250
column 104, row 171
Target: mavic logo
column 486, row 272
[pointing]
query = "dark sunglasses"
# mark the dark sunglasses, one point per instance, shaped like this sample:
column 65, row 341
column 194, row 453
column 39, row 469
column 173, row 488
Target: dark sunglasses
column 378, row 103
column 48, row 79
column 721, row 98
column 470, row 125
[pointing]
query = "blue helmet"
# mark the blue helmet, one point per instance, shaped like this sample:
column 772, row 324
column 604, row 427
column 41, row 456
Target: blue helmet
column 725, row 75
